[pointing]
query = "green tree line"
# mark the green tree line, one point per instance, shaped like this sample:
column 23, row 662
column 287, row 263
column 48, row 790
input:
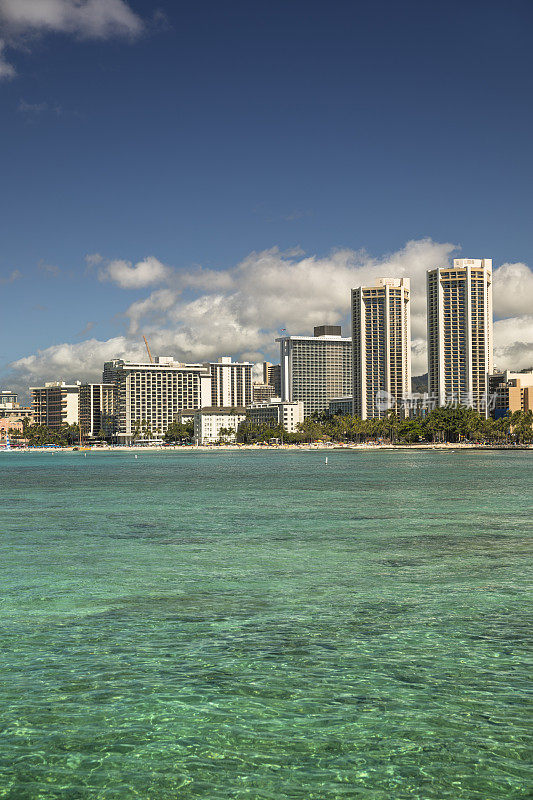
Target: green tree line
column 440, row 425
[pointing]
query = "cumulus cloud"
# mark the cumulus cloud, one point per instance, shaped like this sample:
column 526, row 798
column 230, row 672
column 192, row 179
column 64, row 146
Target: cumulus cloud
column 512, row 290
column 513, row 342
column 144, row 273
column 69, row 362
column 21, row 20
column 200, row 314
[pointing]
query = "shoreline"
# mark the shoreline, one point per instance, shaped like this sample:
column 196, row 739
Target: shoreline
column 334, row 446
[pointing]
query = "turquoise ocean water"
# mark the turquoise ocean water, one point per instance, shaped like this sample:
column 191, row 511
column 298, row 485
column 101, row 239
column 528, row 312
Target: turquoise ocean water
column 264, row 625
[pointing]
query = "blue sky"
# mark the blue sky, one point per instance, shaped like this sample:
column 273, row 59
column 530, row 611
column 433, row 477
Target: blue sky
column 199, row 133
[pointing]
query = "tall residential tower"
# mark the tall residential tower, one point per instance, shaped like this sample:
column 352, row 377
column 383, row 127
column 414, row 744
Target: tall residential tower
column 381, row 337
column 459, row 319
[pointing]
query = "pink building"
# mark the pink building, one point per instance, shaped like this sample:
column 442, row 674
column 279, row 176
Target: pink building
column 7, row 425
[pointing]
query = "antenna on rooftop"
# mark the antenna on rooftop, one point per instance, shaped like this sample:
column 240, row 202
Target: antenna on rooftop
column 148, row 351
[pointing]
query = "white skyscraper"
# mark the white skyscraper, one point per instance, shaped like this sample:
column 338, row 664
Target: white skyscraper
column 315, row 369
column 459, row 319
column 381, row 341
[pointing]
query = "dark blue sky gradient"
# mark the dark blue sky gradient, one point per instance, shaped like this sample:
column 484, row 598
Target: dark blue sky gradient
column 240, row 126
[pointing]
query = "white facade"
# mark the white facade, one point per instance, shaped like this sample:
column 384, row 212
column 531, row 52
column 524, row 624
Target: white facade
column 55, row 404
column 460, row 337
column 210, row 424
column 381, row 335
column 150, row 396
column 97, row 409
column 314, row 369
column 8, row 400
column 277, row 412
column 231, row 382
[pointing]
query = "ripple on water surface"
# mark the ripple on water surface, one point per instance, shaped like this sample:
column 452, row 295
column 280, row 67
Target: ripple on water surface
column 259, row 626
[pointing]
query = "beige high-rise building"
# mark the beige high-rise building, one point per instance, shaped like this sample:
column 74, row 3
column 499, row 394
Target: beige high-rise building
column 459, row 322
column 381, row 341
column 55, row 404
column 272, row 376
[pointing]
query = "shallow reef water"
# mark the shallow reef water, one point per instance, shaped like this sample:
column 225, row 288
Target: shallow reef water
column 263, row 625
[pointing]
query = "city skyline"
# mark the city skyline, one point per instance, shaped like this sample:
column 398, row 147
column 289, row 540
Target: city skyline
column 187, row 172
column 83, row 360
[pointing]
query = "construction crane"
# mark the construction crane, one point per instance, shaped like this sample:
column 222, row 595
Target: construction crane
column 148, row 351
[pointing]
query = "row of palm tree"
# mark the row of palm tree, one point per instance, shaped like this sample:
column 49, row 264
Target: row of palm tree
column 440, row 425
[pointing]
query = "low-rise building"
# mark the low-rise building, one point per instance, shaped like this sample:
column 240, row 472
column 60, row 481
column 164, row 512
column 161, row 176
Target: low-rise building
column 341, row 405
column 7, row 425
column 276, row 412
column 56, row 404
column 213, row 424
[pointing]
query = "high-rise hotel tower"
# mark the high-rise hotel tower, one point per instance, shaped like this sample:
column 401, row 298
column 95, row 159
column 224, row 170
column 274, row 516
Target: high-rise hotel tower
column 315, row 369
column 381, row 341
column 459, row 319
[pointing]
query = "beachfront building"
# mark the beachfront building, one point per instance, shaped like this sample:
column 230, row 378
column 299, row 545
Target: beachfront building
column 231, row 382
column 314, row 369
column 277, row 412
column 214, row 424
column 11, row 409
column 55, row 404
column 150, row 396
column 459, row 324
column 381, row 336
column 97, row 409
column 7, row 426
column 341, row 405
column 510, row 392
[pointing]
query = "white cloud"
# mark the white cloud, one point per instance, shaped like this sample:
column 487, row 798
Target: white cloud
column 69, row 362
column 93, row 259
column 7, row 70
column 22, row 20
column 513, row 342
column 200, row 314
column 92, row 19
column 147, row 272
column 512, row 290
